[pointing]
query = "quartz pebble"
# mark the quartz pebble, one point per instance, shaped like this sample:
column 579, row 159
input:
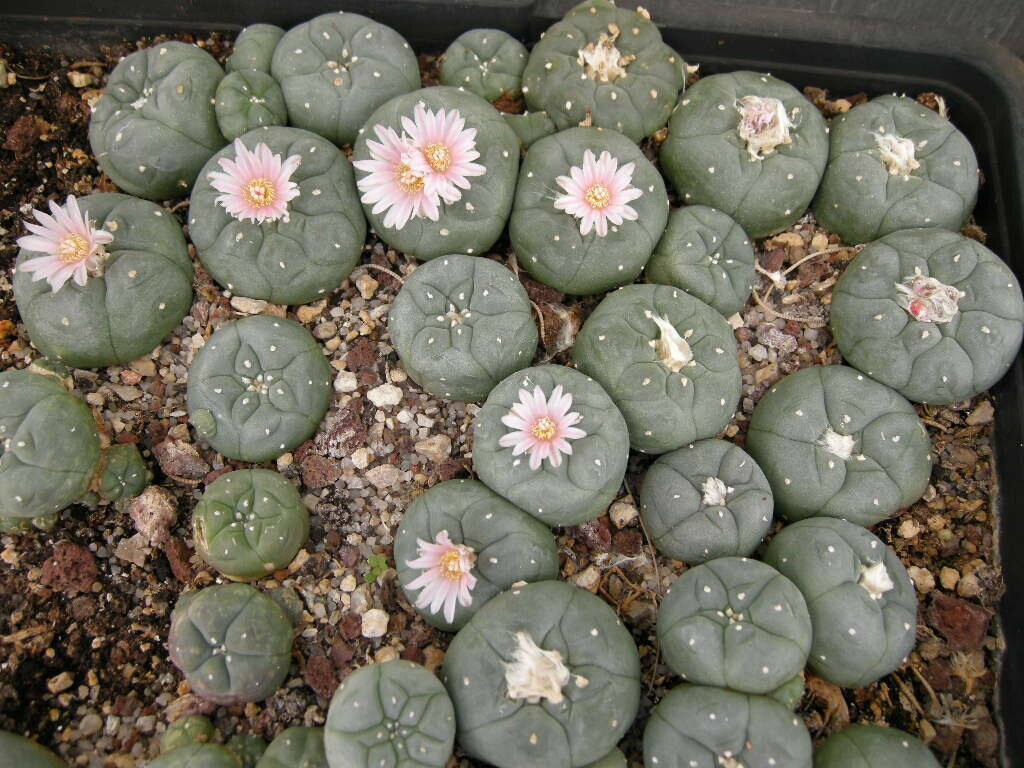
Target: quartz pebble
column 375, row 623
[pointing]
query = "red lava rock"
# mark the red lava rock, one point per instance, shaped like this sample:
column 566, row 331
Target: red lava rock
column 126, row 437
column 628, row 542
column 351, row 626
column 413, row 654
column 938, row 674
column 214, row 474
column 332, row 540
column 963, row 624
column 72, row 568
column 178, row 555
column 341, row 652
column 320, row 675
column 124, row 706
column 362, row 355
column 596, row 534
column 180, row 460
column 153, row 512
column 23, row 134
column 319, row 472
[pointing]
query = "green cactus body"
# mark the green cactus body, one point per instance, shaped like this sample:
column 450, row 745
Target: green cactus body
column 712, row 727
column 530, row 126
column 708, row 255
column 735, row 623
column 614, row 759
column 299, row 257
column 477, row 219
column 750, row 145
column 667, row 359
column 49, row 449
column 248, row 748
column 296, row 748
column 790, row 692
column 549, row 242
column 869, row 746
column 460, row 325
column 487, row 62
column 585, row 482
column 155, row 125
column 395, row 713
column 508, row 545
column 254, row 48
column 544, row 675
column 250, row 523
column 338, row 68
column 606, row 64
column 144, row 292
column 258, row 388
column 125, row 474
column 834, row 443
column 934, row 315
column 196, row 756
column 18, row 752
column 232, row 642
column 861, row 600
column 248, row 99
column 191, row 729
column 895, row 164
column 706, row 500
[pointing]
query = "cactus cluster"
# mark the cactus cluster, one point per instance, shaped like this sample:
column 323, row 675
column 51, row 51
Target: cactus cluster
column 487, row 62
column 867, row 746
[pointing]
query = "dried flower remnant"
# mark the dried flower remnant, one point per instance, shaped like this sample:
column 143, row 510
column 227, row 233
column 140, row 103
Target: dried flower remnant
column 446, row 577
column 672, row 350
column 72, row 247
column 444, row 151
column 543, row 426
column 876, row 580
column 256, row 185
column 928, row 300
column 598, row 192
column 897, row 153
column 715, row 492
column 602, row 61
column 534, row 673
column 764, row 125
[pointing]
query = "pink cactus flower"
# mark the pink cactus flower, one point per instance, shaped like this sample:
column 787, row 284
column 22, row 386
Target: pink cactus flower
column 446, row 577
column 598, row 192
column 543, row 426
column 256, row 185
column 445, row 150
column 72, row 247
column 394, row 182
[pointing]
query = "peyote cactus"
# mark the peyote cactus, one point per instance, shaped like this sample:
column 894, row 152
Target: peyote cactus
column 190, row 729
column 461, row 324
column 544, row 675
column 296, row 748
column 667, row 359
column 18, row 752
column 869, row 746
column 258, row 388
column 232, row 642
column 935, row 315
column 703, row 614
column 437, row 169
column 124, row 474
column 130, row 288
column 698, row 725
column 155, row 126
column 248, row 99
column 706, row 500
column 460, row 544
column 338, row 68
column 250, row 523
column 614, row 759
column 589, row 209
column 861, row 600
column 528, row 420
column 196, row 756
column 247, row 748
column 254, row 48
column 280, row 220
column 895, row 164
column 395, row 713
column 748, row 144
column 530, row 126
column 708, row 255
column 834, row 443
column 487, row 62
column 605, row 66
column 790, row 692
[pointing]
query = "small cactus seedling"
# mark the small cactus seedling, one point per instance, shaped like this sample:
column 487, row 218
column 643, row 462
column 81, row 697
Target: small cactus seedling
column 487, row 62
column 522, row 451
column 190, row 729
column 250, row 523
column 895, row 164
column 715, row 728
column 248, row 99
column 706, row 500
column 254, row 48
column 394, row 713
column 667, row 359
column 750, row 145
column 934, row 315
column 605, row 66
column 117, row 275
column 276, row 216
column 869, row 746
column 124, row 474
column 297, row 747
column 460, row 533
column 860, row 597
column 339, row 67
column 614, row 759
column 544, row 675
column 834, row 443
column 155, row 125
column 735, row 623
column 437, row 171
column 18, row 752
column 196, row 756
column 530, row 126
column 258, row 388
column 232, row 642
column 461, row 324
column 247, row 748
column 589, row 209
column 708, row 255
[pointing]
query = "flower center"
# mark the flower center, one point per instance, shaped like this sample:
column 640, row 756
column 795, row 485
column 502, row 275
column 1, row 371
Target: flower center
column 598, row 195
column 438, row 156
column 73, row 248
column 451, row 565
column 544, row 429
column 259, row 192
column 410, row 181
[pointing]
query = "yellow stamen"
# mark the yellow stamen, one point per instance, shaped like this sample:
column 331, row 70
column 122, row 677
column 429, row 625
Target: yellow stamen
column 451, row 565
column 259, row 192
column 598, row 196
column 408, row 180
column 544, row 429
column 438, row 156
column 73, row 248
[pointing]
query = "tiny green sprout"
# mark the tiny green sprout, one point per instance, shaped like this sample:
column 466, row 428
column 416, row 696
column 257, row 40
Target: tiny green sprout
column 378, row 564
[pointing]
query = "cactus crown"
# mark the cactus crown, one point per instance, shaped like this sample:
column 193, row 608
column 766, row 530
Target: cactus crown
column 534, row 673
column 928, row 299
column 601, row 60
column 715, row 492
column 764, row 124
column 897, row 153
column 837, row 444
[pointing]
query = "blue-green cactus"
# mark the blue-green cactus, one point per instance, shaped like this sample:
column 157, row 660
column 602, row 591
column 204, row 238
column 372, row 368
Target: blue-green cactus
column 190, row 729
column 124, row 474
column 18, row 752
column 248, row 99
column 790, row 692
column 530, row 126
column 614, row 759
column 247, row 748
column 868, row 746
column 196, row 756
column 254, row 48
column 296, row 748
column 487, row 62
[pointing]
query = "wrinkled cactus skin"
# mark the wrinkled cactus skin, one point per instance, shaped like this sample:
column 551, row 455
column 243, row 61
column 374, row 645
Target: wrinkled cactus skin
column 144, row 292
column 297, row 747
column 247, row 748
column 530, row 126
column 232, row 642
column 868, row 746
column 257, row 419
column 155, row 125
column 125, row 474
column 614, row 759
column 461, row 324
column 284, row 262
column 190, row 729
column 250, row 523
column 196, row 756
column 254, row 48
column 18, row 752
column 487, row 62
column 708, row 606
column 248, row 99
column 637, row 104
column 394, row 713
column 338, row 68
column 857, row 638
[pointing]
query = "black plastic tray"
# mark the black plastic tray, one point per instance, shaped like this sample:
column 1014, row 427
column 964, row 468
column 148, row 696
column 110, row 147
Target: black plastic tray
column 983, row 84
